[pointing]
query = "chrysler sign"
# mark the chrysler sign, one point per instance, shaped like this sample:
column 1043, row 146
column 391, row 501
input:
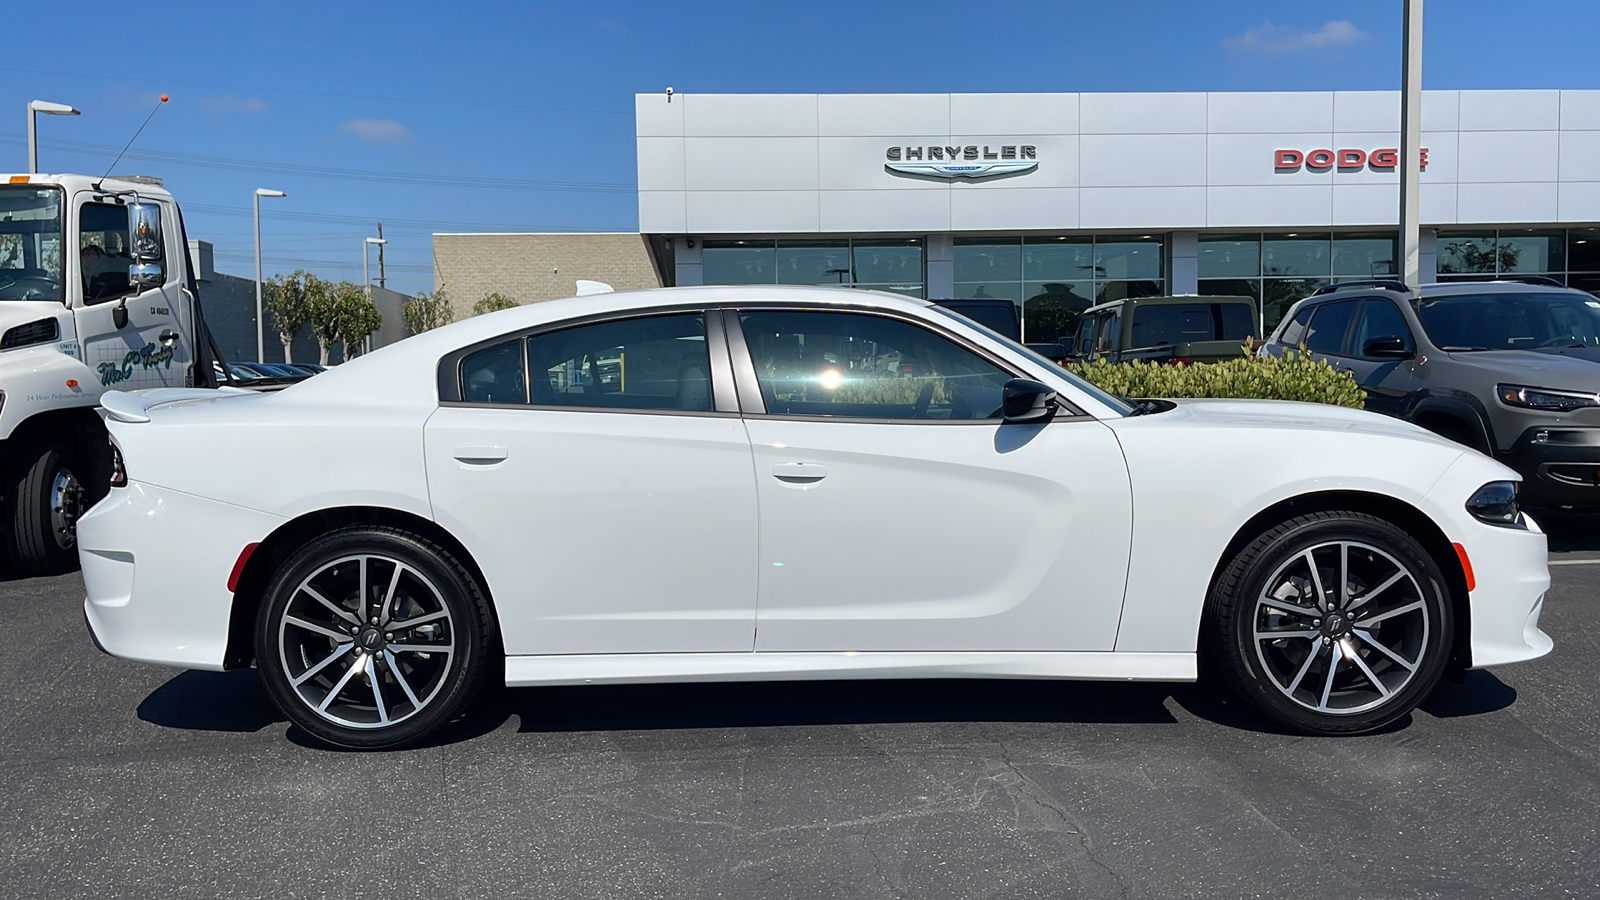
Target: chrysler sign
column 969, row 161
column 1384, row 160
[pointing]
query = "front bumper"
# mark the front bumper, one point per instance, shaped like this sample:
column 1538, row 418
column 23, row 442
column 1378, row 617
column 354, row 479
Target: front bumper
column 155, row 568
column 1560, row 465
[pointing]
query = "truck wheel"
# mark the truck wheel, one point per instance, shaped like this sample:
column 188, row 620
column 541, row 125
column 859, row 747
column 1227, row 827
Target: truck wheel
column 43, row 502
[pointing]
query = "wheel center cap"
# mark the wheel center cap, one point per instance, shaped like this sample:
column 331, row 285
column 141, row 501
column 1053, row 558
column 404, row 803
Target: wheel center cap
column 370, row 639
column 1336, row 624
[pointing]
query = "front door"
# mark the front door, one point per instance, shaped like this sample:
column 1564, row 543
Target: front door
column 899, row 514
column 151, row 350
column 611, row 507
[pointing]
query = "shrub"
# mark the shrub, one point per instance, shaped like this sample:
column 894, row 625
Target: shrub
column 493, row 303
column 1296, row 376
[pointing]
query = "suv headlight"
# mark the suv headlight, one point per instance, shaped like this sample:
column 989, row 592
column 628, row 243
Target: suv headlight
column 1547, row 399
column 1496, row 504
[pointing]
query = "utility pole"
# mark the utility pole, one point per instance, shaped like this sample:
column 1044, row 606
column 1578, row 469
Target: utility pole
column 381, row 282
column 1411, row 146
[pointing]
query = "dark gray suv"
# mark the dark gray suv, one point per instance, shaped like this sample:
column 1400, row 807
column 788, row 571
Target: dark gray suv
column 1509, row 368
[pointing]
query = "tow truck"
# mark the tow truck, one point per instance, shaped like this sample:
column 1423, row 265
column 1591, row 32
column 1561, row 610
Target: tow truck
column 96, row 294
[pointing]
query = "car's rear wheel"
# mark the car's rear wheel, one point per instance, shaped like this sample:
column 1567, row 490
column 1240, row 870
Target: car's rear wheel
column 1331, row 623
column 373, row 638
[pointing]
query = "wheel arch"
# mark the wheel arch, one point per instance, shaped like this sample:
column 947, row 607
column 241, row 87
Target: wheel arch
column 278, row 546
column 1414, row 521
column 1444, row 409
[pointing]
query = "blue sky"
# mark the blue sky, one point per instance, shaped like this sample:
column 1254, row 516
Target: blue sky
column 519, row 116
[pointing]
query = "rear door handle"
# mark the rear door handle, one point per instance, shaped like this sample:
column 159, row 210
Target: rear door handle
column 799, row 473
column 480, row 454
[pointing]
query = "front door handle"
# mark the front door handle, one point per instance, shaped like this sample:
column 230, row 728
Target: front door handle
column 168, row 337
column 799, row 473
column 480, row 454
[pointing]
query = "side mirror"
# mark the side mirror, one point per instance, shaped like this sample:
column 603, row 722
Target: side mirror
column 1024, row 400
column 1386, row 347
column 145, row 275
column 145, row 222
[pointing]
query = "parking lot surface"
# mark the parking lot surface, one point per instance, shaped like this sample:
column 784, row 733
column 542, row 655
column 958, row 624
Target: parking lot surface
column 124, row 780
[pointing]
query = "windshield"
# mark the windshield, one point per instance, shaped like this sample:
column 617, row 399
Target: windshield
column 1509, row 320
column 1117, row 403
column 30, row 243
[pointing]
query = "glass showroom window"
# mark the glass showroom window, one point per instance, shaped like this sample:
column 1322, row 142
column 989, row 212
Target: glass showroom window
column 883, row 265
column 1054, row 279
column 1463, row 255
column 1279, row 269
column 1583, row 259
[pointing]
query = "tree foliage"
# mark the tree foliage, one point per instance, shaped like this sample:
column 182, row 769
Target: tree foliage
column 287, row 303
column 342, row 313
column 426, row 311
column 492, row 303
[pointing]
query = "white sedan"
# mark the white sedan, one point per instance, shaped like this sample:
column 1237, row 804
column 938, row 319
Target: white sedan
column 754, row 483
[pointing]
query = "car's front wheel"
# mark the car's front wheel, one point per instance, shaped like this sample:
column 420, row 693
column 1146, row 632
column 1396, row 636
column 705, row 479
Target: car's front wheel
column 1331, row 623
column 373, row 638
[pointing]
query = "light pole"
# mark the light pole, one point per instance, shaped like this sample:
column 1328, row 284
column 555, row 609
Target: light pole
column 261, row 323
column 1410, row 146
column 366, row 278
column 50, row 109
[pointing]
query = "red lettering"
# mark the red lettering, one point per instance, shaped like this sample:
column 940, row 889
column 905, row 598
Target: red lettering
column 1319, row 159
column 1352, row 159
column 1424, row 157
column 1289, row 159
column 1384, row 159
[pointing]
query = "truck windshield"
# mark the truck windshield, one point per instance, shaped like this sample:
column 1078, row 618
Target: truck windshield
column 1507, row 320
column 30, row 243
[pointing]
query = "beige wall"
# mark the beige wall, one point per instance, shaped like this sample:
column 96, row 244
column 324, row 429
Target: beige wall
column 529, row 268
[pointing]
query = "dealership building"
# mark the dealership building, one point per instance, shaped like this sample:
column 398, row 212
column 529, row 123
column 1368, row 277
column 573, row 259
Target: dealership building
column 1062, row 200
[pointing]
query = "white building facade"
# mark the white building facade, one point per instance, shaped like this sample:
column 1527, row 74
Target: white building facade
column 1056, row 201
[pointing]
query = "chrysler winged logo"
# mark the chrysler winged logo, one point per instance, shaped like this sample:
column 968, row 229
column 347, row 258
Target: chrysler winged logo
column 971, row 161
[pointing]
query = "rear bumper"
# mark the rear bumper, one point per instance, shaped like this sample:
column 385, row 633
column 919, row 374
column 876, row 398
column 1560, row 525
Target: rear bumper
column 1560, row 465
column 155, row 568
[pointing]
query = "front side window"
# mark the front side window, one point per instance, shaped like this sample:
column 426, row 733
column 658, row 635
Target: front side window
column 648, row 363
column 103, row 251
column 1380, row 319
column 30, row 243
column 1328, row 326
column 858, row 365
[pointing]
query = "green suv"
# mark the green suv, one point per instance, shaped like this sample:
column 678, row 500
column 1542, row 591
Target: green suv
column 1165, row 329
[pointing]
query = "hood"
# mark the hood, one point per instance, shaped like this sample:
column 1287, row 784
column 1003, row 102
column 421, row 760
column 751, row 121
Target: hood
column 1588, row 352
column 21, row 312
column 1562, row 370
column 1283, row 414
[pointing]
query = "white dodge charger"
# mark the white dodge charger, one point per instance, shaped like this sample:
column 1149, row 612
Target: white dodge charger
column 700, row 484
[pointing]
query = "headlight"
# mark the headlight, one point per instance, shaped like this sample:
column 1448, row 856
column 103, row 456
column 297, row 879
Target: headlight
column 1545, row 399
column 1496, row 504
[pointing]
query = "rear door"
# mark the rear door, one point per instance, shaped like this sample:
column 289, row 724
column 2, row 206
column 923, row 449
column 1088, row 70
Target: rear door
column 603, row 486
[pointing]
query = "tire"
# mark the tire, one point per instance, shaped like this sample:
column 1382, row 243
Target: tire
column 1387, row 634
column 44, row 498
column 319, row 659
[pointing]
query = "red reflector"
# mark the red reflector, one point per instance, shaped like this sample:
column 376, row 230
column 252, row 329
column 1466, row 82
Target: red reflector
column 1466, row 567
column 244, row 557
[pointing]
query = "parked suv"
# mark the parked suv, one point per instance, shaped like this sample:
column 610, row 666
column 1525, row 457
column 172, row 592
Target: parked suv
column 1172, row 329
column 1509, row 368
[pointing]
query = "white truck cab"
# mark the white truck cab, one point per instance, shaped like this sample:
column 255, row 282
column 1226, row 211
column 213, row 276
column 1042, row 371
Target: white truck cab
column 96, row 294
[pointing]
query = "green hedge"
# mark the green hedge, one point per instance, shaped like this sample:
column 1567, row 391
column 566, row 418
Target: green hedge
column 1294, row 377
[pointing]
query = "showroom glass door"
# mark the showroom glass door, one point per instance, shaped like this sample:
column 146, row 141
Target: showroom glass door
column 898, row 513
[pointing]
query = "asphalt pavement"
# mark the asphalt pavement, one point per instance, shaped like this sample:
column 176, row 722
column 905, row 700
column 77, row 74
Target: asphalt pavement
column 125, row 780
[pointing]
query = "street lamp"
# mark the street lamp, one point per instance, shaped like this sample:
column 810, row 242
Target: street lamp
column 366, row 279
column 261, row 323
column 50, row 109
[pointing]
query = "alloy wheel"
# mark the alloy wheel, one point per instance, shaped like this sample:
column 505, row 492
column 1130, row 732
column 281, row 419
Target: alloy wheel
column 366, row 641
column 1341, row 627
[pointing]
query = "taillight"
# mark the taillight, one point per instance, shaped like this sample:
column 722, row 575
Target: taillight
column 119, row 472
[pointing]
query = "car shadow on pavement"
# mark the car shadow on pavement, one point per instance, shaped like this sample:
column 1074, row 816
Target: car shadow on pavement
column 1570, row 532
column 212, row 701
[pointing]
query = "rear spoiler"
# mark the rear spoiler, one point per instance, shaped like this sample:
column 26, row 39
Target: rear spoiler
column 126, row 406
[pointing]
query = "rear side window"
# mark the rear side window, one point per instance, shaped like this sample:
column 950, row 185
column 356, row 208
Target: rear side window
column 1238, row 321
column 648, row 363
column 494, row 375
column 1154, row 326
column 1328, row 326
column 1295, row 331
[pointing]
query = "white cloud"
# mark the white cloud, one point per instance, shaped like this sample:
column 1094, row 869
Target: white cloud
column 228, row 104
column 378, row 131
column 1268, row 39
